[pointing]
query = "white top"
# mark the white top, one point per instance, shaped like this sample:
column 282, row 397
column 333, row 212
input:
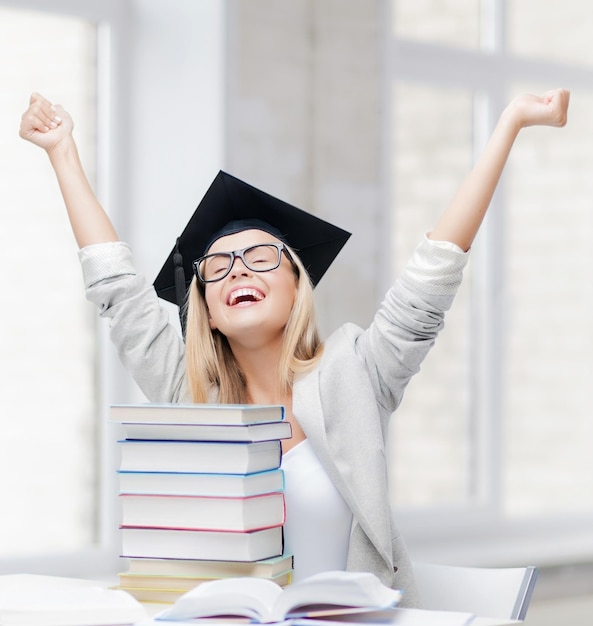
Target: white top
column 318, row 520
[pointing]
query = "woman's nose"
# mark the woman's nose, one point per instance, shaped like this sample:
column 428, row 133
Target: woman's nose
column 238, row 267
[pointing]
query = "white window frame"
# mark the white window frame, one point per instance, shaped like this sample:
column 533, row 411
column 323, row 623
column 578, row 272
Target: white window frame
column 109, row 18
column 477, row 534
column 135, row 68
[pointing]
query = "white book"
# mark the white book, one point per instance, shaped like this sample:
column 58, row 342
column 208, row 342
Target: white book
column 200, row 457
column 192, row 484
column 158, row 543
column 207, row 432
column 174, row 413
column 203, row 512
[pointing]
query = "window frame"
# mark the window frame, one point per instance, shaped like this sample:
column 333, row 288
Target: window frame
column 477, row 533
column 470, row 535
column 135, row 182
column 109, row 17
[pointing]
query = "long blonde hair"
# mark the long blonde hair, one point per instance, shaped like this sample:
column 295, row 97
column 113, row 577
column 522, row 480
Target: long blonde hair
column 210, row 363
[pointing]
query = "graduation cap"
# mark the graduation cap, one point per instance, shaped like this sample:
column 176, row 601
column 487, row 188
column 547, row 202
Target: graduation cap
column 231, row 205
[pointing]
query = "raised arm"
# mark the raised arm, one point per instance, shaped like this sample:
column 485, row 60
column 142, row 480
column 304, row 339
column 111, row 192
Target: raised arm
column 50, row 127
column 462, row 218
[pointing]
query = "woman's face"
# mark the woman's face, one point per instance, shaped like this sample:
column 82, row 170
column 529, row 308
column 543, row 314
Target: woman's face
column 247, row 306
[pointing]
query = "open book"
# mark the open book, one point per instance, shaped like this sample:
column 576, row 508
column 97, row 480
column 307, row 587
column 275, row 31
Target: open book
column 261, row 600
column 34, row 600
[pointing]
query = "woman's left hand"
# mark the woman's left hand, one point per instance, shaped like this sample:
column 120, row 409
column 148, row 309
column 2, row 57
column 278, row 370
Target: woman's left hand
column 551, row 109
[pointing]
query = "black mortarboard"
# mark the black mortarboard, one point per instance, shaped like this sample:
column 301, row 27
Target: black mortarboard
column 231, row 205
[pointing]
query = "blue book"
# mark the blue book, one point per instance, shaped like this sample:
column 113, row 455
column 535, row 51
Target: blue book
column 192, row 484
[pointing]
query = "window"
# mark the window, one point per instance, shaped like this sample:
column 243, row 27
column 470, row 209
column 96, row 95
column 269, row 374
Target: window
column 448, row 22
column 494, row 434
column 548, row 366
column 440, row 156
column 49, row 399
column 101, row 58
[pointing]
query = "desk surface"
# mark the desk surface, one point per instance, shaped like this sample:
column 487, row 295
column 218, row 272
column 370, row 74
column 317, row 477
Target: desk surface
column 67, row 595
column 402, row 617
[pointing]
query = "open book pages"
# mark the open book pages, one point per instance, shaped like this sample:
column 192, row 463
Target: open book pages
column 261, row 600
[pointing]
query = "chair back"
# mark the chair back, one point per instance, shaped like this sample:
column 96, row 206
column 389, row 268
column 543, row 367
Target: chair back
column 502, row 593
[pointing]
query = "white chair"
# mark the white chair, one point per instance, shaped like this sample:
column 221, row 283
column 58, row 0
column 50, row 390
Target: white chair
column 502, row 593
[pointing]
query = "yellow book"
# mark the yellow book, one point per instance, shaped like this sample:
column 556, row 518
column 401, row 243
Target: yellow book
column 167, row 589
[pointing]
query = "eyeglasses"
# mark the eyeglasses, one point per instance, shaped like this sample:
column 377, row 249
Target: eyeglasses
column 263, row 257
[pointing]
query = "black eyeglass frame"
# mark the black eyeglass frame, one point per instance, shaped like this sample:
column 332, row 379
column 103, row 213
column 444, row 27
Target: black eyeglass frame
column 240, row 254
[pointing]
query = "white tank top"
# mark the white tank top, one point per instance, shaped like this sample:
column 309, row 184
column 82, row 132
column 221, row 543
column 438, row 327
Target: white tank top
column 318, row 520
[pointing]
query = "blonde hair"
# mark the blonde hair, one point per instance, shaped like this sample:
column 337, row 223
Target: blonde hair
column 210, row 363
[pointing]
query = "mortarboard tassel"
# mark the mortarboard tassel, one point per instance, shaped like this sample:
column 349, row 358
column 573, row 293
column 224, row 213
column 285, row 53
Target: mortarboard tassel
column 179, row 283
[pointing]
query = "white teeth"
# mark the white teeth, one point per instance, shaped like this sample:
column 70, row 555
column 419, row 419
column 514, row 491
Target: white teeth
column 243, row 294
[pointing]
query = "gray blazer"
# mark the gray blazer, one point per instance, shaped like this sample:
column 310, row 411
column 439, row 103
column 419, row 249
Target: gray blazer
column 343, row 405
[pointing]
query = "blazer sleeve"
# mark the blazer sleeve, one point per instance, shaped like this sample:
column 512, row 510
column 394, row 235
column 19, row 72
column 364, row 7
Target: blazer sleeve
column 409, row 319
column 149, row 346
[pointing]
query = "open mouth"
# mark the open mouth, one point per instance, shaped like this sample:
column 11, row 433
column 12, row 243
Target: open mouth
column 242, row 296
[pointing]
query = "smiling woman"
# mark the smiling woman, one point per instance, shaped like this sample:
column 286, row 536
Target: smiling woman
column 273, row 281
column 339, row 396
column 281, row 319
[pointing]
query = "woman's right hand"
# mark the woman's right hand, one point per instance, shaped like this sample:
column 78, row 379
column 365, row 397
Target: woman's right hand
column 50, row 127
column 44, row 124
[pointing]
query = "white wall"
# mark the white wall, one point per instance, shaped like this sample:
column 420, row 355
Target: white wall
column 305, row 123
column 169, row 105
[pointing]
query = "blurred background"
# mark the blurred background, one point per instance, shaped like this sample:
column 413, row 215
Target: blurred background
column 367, row 113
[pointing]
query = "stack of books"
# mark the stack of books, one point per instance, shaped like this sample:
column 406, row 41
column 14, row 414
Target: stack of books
column 202, row 496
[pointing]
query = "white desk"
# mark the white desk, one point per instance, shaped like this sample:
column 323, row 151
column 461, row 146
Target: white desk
column 77, row 602
column 401, row 617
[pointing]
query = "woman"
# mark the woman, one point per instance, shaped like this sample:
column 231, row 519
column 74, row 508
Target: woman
column 251, row 338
